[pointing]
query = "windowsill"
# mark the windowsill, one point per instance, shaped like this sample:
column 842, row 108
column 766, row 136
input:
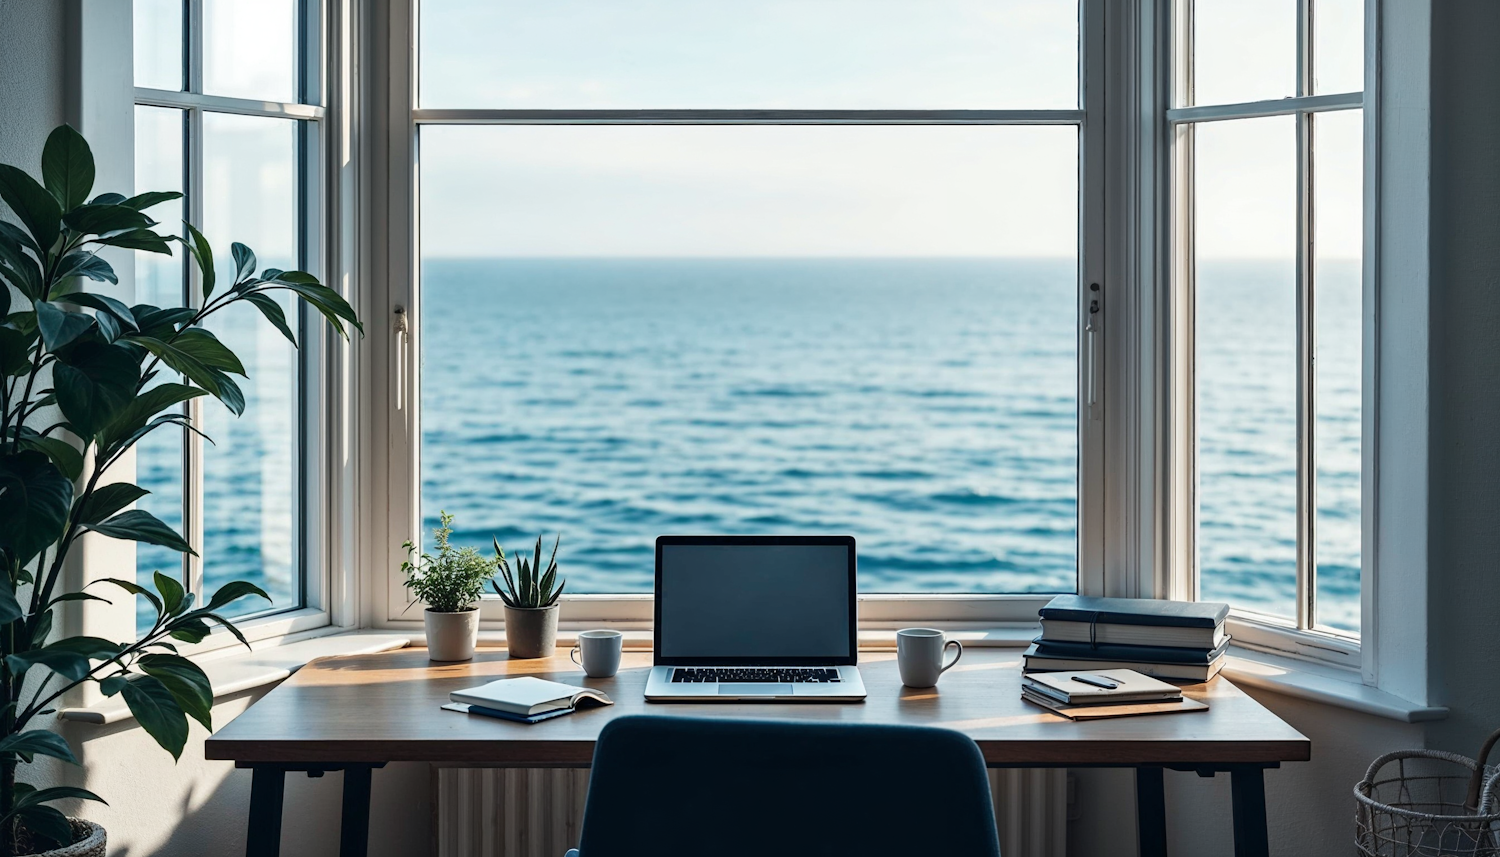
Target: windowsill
column 871, row 639
column 1325, row 684
column 232, row 672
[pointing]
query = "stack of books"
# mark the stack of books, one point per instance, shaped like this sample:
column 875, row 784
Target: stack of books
column 1105, row 693
column 1175, row 640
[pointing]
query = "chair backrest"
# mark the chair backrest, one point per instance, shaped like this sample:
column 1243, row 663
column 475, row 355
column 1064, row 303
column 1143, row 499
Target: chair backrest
column 678, row 786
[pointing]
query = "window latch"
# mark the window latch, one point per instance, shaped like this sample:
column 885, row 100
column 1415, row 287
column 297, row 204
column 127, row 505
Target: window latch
column 1089, row 330
column 402, row 331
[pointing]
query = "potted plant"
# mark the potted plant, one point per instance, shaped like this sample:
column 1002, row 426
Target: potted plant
column 83, row 377
column 451, row 585
column 531, row 603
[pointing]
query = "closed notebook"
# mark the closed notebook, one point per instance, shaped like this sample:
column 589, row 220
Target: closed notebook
column 1064, row 631
column 1126, row 709
column 463, row 708
column 1136, row 611
column 1135, row 654
column 1173, row 672
column 1130, row 686
column 528, row 696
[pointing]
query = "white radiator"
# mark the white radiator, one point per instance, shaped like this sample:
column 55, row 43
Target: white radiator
column 485, row 812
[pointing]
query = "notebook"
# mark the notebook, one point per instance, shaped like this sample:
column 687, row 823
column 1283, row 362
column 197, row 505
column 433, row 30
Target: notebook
column 1141, row 654
column 463, row 708
column 1186, row 624
column 1083, row 688
column 1100, row 712
column 1175, row 672
column 1106, row 633
column 528, row 696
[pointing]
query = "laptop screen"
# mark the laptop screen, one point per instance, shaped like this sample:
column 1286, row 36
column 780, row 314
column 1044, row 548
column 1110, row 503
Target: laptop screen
column 742, row 600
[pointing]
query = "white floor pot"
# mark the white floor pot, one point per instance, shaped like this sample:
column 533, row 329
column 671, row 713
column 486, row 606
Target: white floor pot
column 451, row 636
column 531, row 632
column 90, row 841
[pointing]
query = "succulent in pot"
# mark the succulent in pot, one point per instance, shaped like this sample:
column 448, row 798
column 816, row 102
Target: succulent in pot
column 530, row 601
column 450, row 583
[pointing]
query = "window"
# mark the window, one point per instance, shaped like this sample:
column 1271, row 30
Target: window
column 736, row 267
column 226, row 112
column 1268, row 132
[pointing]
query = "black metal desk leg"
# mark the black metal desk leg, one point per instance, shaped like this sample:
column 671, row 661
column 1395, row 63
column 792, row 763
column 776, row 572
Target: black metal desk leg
column 354, row 830
column 263, row 838
column 1151, row 812
column 1249, row 790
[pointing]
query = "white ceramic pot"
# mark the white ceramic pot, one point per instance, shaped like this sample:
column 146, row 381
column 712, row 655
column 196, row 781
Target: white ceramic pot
column 531, row 632
column 451, row 636
column 90, row 845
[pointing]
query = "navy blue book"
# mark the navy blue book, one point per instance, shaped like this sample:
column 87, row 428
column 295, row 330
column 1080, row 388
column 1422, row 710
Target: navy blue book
column 465, row 708
column 1130, row 654
column 1136, row 611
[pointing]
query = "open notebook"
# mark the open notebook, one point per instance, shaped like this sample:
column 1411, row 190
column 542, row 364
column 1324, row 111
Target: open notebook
column 525, row 699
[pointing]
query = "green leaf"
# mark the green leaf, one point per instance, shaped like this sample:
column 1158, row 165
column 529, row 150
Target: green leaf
column 77, row 596
column 15, row 352
column 210, row 379
column 49, row 827
column 104, row 304
column 32, row 203
column 137, row 239
column 59, row 325
column 95, row 382
column 228, row 626
column 134, row 589
column 35, row 497
column 189, row 631
column 204, row 254
column 186, row 682
column 18, row 235
column 67, row 167
column 81, row 263
column 244, row 261
column 138, row 525
column 106, row 221
column 37, row 742
column 172, row 593
column 157, row 711
column 208, row 350
column 143, row 201
column 18, row 266
column 233, row 591
column 107, row 500
column 112, row 685
column 273, row 313
column 67, row 458
column 143, row 407
column 108, row 199
column 34, row 797
column 161, row 323
column 69, row 665
column 329, row 303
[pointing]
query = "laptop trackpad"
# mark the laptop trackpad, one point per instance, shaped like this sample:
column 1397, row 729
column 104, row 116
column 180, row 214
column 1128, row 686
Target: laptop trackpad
column 745, row 688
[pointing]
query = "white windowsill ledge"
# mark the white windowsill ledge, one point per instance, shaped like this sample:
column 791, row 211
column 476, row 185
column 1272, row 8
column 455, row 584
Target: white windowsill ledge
column 1324, row 684
column 237, row 671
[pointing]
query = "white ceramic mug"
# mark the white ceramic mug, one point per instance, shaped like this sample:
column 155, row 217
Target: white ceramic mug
column 919, row 656
column 598, row 652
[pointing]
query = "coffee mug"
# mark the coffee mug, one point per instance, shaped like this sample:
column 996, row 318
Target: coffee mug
column 598, row 652
column 919, row 656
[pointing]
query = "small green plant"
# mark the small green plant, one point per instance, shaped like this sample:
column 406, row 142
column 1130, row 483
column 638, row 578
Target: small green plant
column 530, row 588
column 452, row 581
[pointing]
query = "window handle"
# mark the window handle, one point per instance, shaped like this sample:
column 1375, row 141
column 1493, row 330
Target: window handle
column 402, row 331
column 1090, row 329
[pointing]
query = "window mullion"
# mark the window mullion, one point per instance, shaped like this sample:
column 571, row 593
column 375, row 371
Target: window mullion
column 192, row 442
column 1306, row 327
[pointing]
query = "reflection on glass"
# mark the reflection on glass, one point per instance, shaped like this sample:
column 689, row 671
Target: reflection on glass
column 1338, row 142
column 1338, row 46
column 850, row 54
column 869, row 330
column 1244, row 50
column 250, row 477
column 1246, row 368
column 159, row 282
column 249, row 48
column 158, row 43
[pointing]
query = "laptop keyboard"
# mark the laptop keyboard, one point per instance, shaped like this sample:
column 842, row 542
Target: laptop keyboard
column 774, row 675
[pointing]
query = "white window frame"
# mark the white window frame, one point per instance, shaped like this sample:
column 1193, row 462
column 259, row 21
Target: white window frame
column 392, row 357
column 323, row 79
column 1298, row 636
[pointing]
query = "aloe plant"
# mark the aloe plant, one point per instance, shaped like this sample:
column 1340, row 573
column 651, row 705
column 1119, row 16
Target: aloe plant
column 530, row 587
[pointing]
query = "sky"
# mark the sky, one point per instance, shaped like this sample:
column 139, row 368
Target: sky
column 839, row 191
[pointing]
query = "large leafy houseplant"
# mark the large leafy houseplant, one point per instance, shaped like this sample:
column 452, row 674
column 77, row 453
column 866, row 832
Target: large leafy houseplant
column 83, row 377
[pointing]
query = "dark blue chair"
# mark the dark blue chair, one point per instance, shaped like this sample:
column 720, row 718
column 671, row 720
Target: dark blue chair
column 694, row 787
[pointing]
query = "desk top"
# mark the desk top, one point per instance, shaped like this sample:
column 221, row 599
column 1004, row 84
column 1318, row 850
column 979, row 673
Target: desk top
column 385, row 708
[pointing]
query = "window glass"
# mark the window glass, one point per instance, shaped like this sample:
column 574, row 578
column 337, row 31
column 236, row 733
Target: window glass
column 158, row 43
column 1244, row 50
column 159, row 282
column 249, row 48
column 250, row 476
column 1338, row 182
column 830, row 54
column 633, row 330
column 1338, row 46
column 1245, row 268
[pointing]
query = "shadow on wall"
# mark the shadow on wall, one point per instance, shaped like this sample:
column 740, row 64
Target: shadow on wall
column 198, row 807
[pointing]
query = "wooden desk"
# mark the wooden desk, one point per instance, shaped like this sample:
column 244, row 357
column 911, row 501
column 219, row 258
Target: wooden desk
column 359, row 712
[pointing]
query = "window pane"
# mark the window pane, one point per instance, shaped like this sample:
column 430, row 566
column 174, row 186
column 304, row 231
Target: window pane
column 250, row 479
column 158, row 43
column 1339, row 210
column 637, row 330
column 1245, row 240
column 787, row 54
column 249, row 48
column 159, row 282
column 1338, row 46
column 1244, row 51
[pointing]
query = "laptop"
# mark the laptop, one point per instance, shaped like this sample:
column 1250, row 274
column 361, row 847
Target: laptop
column 755, row 619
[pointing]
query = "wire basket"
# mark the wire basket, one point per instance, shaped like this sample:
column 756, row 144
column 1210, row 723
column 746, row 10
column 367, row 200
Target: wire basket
column 1428, row 803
